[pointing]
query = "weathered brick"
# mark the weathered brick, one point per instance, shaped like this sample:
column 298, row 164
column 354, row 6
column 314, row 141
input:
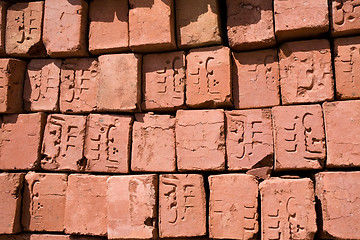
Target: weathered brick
column 345, row 17
column 3, row 8
column 28, row 236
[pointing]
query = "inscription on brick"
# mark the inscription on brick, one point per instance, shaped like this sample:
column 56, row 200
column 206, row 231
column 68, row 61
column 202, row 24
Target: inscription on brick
column 345, row 17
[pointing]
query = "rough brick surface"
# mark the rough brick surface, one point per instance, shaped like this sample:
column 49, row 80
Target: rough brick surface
column 233, row 216
column 3, row 8
column 63, row 143
column 306, row 72
column 345, row 17
column 132, row 210
column 44, row 202
column 208, row 77
column 27, row 236
column 164, row 81
column 109, row 26
column 288, row 209
column 299, row 137
column 10, row 197
column 107, row 143
column 250, row 24
column 200, row 140
column 41, row 87
column 21, row 136
column 182, row 205
column 256, row 79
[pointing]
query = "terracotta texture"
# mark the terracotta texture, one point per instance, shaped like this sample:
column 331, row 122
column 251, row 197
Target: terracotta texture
column 233, row 216
column 153, row 143
column 107, row 143
column 182, row 205
column 3, row 8
column 137, row 215
column 63, row 143
column 345, row 17
column 249, row 139
column 256, row 79
column 10, row 196
column 44, row 202
column 294, row 19
column 41, row 87
column 27, row 236
column 200, row 140
column 65, row 28
column 20, row 137
column 306, row 72
column 208, row 77
column 109, row 26
column 288, row 209
column 151, row 25
column 164, row 81
column 299, row 137
column 250, row 24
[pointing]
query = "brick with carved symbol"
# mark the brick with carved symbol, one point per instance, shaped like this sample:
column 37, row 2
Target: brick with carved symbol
column 345, row 17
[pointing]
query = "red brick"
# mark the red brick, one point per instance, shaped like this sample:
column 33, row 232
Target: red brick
column 287, row 209
column 22, row 236
column 21, row 136
column 79, row 85
column 151, row 25
column 86, row 206
column 164, row 81
column 3, row 8
column 109, row 26
column 306, row 72
column 299, row 19
column 137, row 216
column 299, row 137
column 49, row 237
column 233, row 216
column 256, row 79
column 44, row 202
column 153, row 143
column 208, row 74
column 200, row 140
column 249, row 139
column 107, row 143
column 10, row 197
column 24, row 29
column 64, row 31
column 63, row 143
column 345, row 17
column 27, row 236
column 12, row 72
column 119, row 82
column 41, row 87
column 250, row 24
column 182, row 205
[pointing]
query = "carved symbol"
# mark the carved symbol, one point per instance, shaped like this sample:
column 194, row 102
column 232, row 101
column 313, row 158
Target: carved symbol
column 345, row 11
column 36, row 205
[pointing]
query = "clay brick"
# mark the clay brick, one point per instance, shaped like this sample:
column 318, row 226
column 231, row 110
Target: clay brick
column 151, row 25
column 299, row 19
column 182, row 205
column 62, row 147
column 345, row 17
column 41, row 87
column 12, row 72
column 86, row 206
column 342, row 121
column 10, row 196
column 299, row 137
column 109, row 26
column 287, row 209
column 338, row 193
column 44, row 202
column 306, row 72
column 107, row 143
column 153, row 143
column 197, row 23
column 65, row 28
column 164, row 81
column 119, row 82
column 26, row 236
column 137, row 216
column 3, row 8
column 208, row 77
column 79, row 85
column 250, row 24
column 21, row 136
column 233, row 216
column 256, row 79
column 200, row 140
column 23, row 236
column 249, row 139
column 24, row 29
